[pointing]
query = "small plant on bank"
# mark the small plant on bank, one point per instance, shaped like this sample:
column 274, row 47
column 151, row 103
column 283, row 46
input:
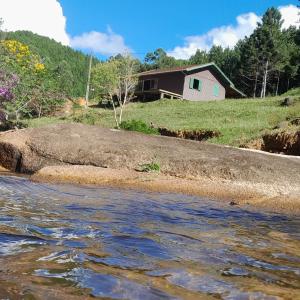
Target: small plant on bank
column 150, row 167
column 139, row 126
column 88, row 118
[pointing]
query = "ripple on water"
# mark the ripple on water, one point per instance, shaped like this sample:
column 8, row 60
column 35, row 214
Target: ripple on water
column 106, row 285
column 11, row 244
column 146, row 245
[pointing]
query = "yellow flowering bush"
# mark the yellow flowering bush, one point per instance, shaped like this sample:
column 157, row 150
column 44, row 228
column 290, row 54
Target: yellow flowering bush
column 39, row 67
column 21, row 54
column 16, row 50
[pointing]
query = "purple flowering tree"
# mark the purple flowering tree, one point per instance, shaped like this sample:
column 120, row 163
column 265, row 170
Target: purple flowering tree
column 7, row 84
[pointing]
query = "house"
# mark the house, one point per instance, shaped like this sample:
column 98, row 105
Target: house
column 196, row 83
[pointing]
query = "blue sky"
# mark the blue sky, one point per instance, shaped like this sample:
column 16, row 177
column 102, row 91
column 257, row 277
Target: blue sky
column 110, row 26
column 162, row 23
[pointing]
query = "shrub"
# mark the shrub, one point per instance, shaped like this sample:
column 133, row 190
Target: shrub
column 9, row 125
column 86, row 118
column 138, row 125
column 151, row 167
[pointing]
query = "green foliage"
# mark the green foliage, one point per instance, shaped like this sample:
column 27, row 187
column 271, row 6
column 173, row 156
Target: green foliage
column 293, row 92
column 9, row 125
column 87, row 117
column 138, row 125
column 104, row 79
column 268, row 58
column 36, row 93
column 115, row 81
column 70, row 66
column 150, row 167
column 160, row 60
column 199, row 58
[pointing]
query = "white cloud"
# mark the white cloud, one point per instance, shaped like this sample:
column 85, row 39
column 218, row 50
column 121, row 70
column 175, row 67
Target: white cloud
column 44, row 17
column 105, row 43
column 227, row 36
column 290, row 15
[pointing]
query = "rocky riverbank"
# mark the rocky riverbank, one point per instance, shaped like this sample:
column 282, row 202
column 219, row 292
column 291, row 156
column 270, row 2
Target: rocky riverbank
column 89, row 154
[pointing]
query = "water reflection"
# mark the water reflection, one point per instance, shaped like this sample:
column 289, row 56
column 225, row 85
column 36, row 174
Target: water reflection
column 123, row 244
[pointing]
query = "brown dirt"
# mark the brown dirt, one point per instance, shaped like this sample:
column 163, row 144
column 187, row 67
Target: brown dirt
column 256, row 144
column 196, row 135
column 282, row 142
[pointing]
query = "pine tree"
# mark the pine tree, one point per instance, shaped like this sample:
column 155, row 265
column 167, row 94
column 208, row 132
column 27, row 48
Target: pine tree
column 216, row 55
column 199, row 58
column 268, row 42
column 249, row 66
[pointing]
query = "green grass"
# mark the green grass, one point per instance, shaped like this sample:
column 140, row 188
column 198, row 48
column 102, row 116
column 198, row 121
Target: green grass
column 44, row 121
column 151, row 167
column 238, row 120
column 292, row 92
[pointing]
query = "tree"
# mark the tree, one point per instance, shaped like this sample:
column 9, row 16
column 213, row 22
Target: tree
column 231, row 58
column 65, row 78
column 127, row 82
column 291, row 69
column 36, row 90
column 104, row 81
column 268, row 56
column 2, row 33
column 249, row 66
column 7, row 84
column 160, row 60
column 116, row 80
column 199, row 58
column 216, row 55
column 268, row 41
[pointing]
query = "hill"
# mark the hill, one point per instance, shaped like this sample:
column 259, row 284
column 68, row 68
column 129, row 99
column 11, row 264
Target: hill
column 238, row 121
column 57, row 56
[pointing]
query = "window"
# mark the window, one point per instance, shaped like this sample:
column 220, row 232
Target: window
column 195, row 84
column 216, row 90
column 150, row 84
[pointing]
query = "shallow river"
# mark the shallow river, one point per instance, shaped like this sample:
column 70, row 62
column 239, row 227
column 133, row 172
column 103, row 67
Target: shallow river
column 72, row 242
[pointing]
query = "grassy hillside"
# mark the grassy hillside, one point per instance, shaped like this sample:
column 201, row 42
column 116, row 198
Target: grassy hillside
column 238, row 120
column 56, row 55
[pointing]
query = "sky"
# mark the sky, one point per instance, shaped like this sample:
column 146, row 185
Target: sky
column 109, row 27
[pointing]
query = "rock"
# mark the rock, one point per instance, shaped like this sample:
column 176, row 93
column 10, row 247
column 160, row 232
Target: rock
column 29, row 150
column 287, row 102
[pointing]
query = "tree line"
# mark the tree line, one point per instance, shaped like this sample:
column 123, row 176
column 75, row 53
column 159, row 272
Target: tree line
column 265, row 63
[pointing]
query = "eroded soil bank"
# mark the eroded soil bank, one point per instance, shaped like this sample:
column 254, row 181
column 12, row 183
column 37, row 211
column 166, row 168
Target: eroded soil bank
column 282, row 142
column 92, row 155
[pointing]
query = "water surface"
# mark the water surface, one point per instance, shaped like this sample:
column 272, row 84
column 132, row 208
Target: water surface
column 72, row 242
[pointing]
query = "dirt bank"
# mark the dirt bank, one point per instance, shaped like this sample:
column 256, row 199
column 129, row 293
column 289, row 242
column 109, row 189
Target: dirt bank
column 200, row 167
column 282, row 142
column 196, row 135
